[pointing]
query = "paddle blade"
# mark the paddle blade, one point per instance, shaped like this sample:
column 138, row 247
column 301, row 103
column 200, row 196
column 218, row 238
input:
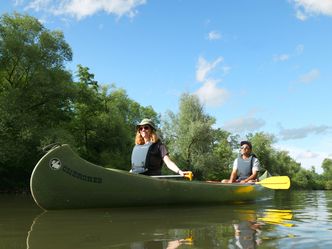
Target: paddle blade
column 276, row 182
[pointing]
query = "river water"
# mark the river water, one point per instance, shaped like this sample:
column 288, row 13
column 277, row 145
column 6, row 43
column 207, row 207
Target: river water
column 292, row 219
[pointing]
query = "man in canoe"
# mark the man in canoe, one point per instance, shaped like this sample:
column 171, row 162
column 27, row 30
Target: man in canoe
column 149, row 152
column 245, row 167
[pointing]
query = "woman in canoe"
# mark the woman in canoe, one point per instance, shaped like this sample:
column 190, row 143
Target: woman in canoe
column 149, row 152
column 245, row 167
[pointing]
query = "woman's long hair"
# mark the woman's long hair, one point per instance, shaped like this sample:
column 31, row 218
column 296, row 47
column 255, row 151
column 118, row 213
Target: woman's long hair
column 140, row 140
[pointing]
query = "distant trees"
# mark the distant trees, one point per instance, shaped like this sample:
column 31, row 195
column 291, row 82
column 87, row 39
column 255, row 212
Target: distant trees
column 210, row 152
column 327, row 174
column 41, row 104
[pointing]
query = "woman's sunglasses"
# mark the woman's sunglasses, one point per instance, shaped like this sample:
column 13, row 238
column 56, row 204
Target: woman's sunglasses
column 145, row 127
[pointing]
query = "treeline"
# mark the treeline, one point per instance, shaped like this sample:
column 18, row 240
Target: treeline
column 210, row 152
column 42, row 102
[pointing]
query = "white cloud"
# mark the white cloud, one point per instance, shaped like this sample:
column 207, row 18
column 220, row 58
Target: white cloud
column 244, row 124
column 309, row 76
column 281, row 57
column 307, row 8
column 305, row 157
column 287, row 56
column 18, row 2
column 204, row 68
column 299, row 133
column 211, row 95
column 83, row 8
column 299, row 49
column 214, row 35
column 309, row 151
column 300, row 15
column 226, row 69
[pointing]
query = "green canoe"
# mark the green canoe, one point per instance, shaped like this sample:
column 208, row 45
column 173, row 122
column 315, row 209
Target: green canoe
column 63, row 180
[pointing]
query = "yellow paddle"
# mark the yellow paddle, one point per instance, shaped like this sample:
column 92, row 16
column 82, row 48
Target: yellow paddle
column 275, row 182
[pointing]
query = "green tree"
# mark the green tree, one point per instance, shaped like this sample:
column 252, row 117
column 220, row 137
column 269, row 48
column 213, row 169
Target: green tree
column 307, row 179
column 116, row 129
column 262, row 148
column 327, row 168
column 190, row 135
column 283, row 164
column 104, row 121
column 223, row 156
column 35, row 93
column 327, row 173
column 86, row 108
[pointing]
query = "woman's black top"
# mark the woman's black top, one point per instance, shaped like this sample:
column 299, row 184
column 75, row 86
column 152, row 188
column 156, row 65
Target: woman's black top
column 154, row 159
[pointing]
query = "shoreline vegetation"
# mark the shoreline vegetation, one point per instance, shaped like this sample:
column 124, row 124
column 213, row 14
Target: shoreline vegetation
column 41, row 104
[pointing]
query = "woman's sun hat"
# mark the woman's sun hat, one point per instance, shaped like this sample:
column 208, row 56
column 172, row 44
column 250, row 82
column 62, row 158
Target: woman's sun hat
column 147, row 121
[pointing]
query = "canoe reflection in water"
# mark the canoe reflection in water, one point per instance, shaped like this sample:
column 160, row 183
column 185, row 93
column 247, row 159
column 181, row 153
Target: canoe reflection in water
column 248, row 230
column 154, row 244
column 141, row 228
column 145, row 228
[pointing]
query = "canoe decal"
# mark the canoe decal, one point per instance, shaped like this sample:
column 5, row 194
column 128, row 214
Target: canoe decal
column 55, row 164
column 80, row 176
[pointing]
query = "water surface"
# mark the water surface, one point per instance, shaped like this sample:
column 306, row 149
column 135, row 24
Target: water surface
column 291, row 220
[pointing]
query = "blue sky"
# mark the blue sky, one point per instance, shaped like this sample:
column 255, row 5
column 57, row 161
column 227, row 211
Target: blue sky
column 258, row 65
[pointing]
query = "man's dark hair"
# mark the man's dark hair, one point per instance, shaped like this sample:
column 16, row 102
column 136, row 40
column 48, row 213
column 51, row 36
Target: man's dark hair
column 247, row 143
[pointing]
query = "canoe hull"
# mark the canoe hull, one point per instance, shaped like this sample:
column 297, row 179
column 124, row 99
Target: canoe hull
column 63, row 180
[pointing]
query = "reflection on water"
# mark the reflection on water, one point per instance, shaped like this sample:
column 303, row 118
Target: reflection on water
column 276, row 216
column 248, row 229
column 291, row 220
column 145, row 228
column 129, row 228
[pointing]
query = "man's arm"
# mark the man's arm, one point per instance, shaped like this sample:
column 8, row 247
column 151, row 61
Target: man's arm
column 252, row 177
column 233, row 176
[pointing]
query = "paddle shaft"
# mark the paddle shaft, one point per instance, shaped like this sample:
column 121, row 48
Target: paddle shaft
column 187, row 174
column 168, row 176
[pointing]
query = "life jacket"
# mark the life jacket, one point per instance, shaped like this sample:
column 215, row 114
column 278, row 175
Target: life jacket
column 244, row 167
column 139, row 157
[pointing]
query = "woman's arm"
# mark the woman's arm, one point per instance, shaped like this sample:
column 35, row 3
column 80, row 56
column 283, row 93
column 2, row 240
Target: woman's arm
column 172, row 166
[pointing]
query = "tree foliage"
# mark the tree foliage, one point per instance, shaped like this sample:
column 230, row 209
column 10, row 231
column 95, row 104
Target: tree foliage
column 327, row 174
column 35, row 90
column 190, row 136
column 104, row 122
column 41, row 104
